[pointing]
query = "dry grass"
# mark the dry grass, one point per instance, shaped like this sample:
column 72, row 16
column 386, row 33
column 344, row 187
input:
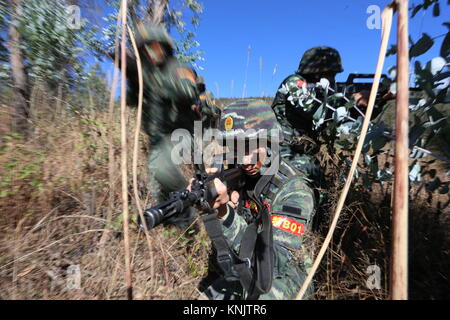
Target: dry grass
column 54, row 195
column 53, row 205
column 362, row 239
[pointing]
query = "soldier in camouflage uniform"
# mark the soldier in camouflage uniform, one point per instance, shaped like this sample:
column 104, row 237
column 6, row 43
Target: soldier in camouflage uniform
column 301, row 134
column 170, row 97
column 285, row 191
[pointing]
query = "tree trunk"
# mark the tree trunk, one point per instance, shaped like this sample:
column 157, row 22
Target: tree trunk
column 19, row 76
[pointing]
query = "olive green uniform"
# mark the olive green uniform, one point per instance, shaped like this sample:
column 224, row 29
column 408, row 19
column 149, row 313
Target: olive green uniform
column 169, row 91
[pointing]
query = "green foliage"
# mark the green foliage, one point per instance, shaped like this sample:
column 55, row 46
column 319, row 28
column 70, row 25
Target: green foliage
column 445, row 47
column 52, row 47
column 17, row 171
column 92, row 88
column 432, row 79
column 4, row 69
column 3, row 50
column 181, row 15
column 421, row 46
column 424, row 6
column 185, row 47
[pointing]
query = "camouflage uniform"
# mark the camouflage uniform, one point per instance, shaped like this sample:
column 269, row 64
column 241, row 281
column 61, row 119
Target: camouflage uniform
column 170, row 90
column 302, row 137
column 291, row 203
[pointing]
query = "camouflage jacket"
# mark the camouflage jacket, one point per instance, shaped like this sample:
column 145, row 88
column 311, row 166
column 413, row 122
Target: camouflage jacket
column 169, row 92
column 291, row 202
column 298, row 110
column 208, row 104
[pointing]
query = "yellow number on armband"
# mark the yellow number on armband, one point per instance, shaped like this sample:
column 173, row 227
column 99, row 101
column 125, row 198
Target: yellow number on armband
column 293, row 227
column 300, row 228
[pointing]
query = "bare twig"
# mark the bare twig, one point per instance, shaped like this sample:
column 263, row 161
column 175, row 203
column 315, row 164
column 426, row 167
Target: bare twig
column 16, row 253
column 123, row 151
column 113, row 279
column 136, row 149
column 42, row 220
column 158, row 11
column 111, row 159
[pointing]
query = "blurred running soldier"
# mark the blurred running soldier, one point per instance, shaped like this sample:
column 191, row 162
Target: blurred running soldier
column 170, row 103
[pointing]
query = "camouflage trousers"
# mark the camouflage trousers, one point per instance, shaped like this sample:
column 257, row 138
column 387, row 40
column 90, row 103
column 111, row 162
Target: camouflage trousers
column 165, row 175
column 292, row 263
column 285, row 284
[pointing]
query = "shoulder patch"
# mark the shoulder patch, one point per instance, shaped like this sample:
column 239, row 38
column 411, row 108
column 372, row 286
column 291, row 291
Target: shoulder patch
column 185, row 73
column 287, row 224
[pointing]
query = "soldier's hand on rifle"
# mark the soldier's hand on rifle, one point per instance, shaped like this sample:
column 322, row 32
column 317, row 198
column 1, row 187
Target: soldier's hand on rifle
column 222, row 198
column 388, row 96
column 197, row 109
column 362, row 98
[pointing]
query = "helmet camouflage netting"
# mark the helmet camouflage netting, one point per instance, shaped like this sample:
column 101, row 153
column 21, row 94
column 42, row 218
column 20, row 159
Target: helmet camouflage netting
column 319, row 60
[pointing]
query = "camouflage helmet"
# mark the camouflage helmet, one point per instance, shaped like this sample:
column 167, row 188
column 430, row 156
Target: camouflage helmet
column 250, row 118
column 146, row 33
column 320, row 60
column 200, row 80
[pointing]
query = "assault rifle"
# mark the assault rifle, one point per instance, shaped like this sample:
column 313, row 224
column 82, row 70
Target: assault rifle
column 350, row 86
column 202, row 192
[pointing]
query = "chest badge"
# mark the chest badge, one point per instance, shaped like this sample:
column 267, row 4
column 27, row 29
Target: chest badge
column 228, row 123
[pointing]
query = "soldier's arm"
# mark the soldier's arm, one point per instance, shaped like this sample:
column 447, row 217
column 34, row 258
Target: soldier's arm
column 132, row 77
column 233, row 226
column 293, row 210
column 180, row 84
column 279, row 106
column 207, row 108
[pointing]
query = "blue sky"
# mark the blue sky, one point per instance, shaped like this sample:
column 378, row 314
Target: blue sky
column 279, row 32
